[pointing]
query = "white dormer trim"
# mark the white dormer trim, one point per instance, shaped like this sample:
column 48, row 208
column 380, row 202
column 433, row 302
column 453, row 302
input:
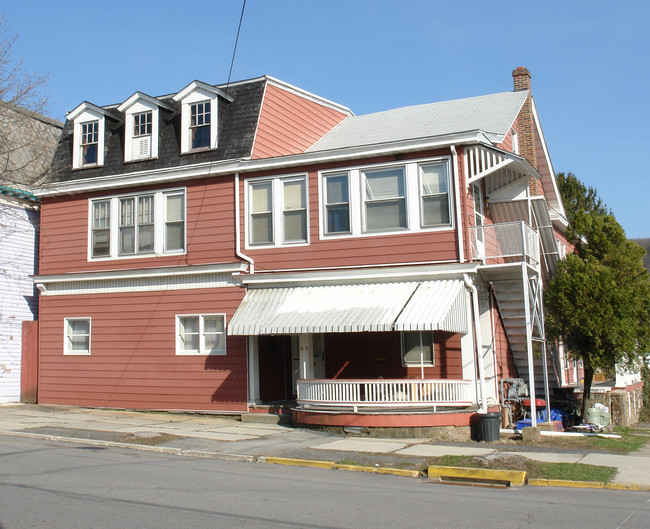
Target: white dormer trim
column 143, row 148
column 198, row 92
column 88, row 113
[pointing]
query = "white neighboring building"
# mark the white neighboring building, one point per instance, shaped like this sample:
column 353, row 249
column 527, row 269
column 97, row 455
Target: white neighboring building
column 27, row 142
column 18, row 300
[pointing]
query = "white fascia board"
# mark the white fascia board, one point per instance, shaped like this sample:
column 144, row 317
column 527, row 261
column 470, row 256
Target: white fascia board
column 308, row 95
column 194, row 85
column 362, row 275
column 230, row 167
column 89, row 106
column 233, row 268
column 547, row 157
column 140, row 96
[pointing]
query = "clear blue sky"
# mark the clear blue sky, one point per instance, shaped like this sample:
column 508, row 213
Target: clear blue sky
column 589, row 62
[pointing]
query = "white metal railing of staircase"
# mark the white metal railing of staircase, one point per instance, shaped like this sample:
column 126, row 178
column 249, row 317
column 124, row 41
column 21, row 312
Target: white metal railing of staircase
column 505, row 243
column 383, row 393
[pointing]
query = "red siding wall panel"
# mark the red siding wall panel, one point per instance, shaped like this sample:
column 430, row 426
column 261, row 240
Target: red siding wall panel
column 210, row 229
column 290, row 124
column 133, row 363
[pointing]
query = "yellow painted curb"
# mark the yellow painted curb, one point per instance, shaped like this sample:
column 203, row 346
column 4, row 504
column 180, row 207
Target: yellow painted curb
column 627, row 486
column 379, row 470
column 299, row 462
column 514, row 477
column 536, row 482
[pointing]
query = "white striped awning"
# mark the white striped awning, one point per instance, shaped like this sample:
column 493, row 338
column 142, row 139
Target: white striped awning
column 366, row 307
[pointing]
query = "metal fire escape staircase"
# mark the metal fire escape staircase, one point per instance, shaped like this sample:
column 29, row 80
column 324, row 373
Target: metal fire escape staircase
column 518, row 252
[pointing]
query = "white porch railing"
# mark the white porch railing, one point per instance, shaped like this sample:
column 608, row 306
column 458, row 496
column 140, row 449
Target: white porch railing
column 505, row 243
column 383, row 393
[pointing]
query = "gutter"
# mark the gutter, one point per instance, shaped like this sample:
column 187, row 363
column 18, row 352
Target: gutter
column 478, row 342
column 238, row 251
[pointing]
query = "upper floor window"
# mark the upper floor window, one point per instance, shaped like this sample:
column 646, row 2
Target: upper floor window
column 88, row 136
column 200, row 124
column 141, row 126
column 89, row 141
column 138, row 224
column 515, row 141
column 199, row 115
column 337, row 203
column 411, row 196
column 385, row 199
column 277, row 210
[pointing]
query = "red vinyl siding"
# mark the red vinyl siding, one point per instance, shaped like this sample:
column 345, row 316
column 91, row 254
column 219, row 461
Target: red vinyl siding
column 133, row 361
column 290, row 124
column 210, row 229
column 378, row 354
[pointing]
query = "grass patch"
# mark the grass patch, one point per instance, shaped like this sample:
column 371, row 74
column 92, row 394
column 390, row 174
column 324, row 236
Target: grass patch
column 629, row 443
column 534, row 469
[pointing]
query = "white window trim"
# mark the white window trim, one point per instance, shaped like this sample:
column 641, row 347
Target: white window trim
column 87, row 116
column 160, row 208
column 413, row 199
column 66, row 349
column 200, row 351
column 432, row 363
column 277, row 199
column 199, row 95
column 139, row 108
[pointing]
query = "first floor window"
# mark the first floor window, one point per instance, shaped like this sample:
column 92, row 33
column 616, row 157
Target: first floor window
column 385, row 201
column 77, row 336
column 417, row 348
column 202, row 334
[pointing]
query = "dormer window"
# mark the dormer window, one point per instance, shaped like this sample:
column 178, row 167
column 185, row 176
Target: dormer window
column 200, row 124
column 141, row 124
column 199, row 116
column 89, row 141
column 89, row 131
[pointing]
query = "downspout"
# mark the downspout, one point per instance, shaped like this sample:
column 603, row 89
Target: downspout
column 478, row 342
column 459, row 224
column 238, row 252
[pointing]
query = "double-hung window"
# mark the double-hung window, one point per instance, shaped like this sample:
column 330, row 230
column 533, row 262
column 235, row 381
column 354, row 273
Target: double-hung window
column 434, row 194
column 337, row 203
column 201, row 334
column 385, row 199
column 200, row 125
column 277, row 211
column 89, row 142
column 138, row 224
column 417, row 348
column 76, row 336
column 141, row 141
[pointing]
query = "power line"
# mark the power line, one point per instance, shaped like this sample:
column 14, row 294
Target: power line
column 232, row 62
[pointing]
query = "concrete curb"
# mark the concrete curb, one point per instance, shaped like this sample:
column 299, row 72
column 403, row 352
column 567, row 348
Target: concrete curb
column 515, row 478
column 538, row 482
column 337, row 466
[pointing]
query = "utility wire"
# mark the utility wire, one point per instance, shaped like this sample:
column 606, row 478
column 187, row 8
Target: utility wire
column 232, row 62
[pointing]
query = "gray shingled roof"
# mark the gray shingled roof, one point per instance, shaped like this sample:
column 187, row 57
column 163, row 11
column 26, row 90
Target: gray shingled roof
column 492, row 114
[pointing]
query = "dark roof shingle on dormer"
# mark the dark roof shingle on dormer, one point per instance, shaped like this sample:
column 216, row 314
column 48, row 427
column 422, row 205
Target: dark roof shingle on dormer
column 236, row 133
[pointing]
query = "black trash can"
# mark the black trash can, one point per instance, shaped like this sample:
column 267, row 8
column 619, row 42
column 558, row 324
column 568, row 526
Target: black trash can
column 489, row 426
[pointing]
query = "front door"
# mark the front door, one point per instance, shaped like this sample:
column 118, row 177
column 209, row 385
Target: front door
column 275, row 368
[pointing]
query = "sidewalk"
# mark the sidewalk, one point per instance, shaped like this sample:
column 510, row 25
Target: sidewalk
column 226, row 438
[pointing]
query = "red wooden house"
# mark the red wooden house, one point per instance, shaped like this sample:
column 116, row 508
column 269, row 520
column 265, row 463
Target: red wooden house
column 254, row 247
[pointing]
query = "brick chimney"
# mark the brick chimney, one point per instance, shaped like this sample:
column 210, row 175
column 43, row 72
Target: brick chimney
column 526, row 126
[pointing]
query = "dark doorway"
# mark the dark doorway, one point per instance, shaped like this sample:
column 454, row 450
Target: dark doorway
column 275, row 368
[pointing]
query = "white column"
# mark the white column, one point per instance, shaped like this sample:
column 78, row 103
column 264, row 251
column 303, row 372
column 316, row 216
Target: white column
column 253, row 370
column 306, row 350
